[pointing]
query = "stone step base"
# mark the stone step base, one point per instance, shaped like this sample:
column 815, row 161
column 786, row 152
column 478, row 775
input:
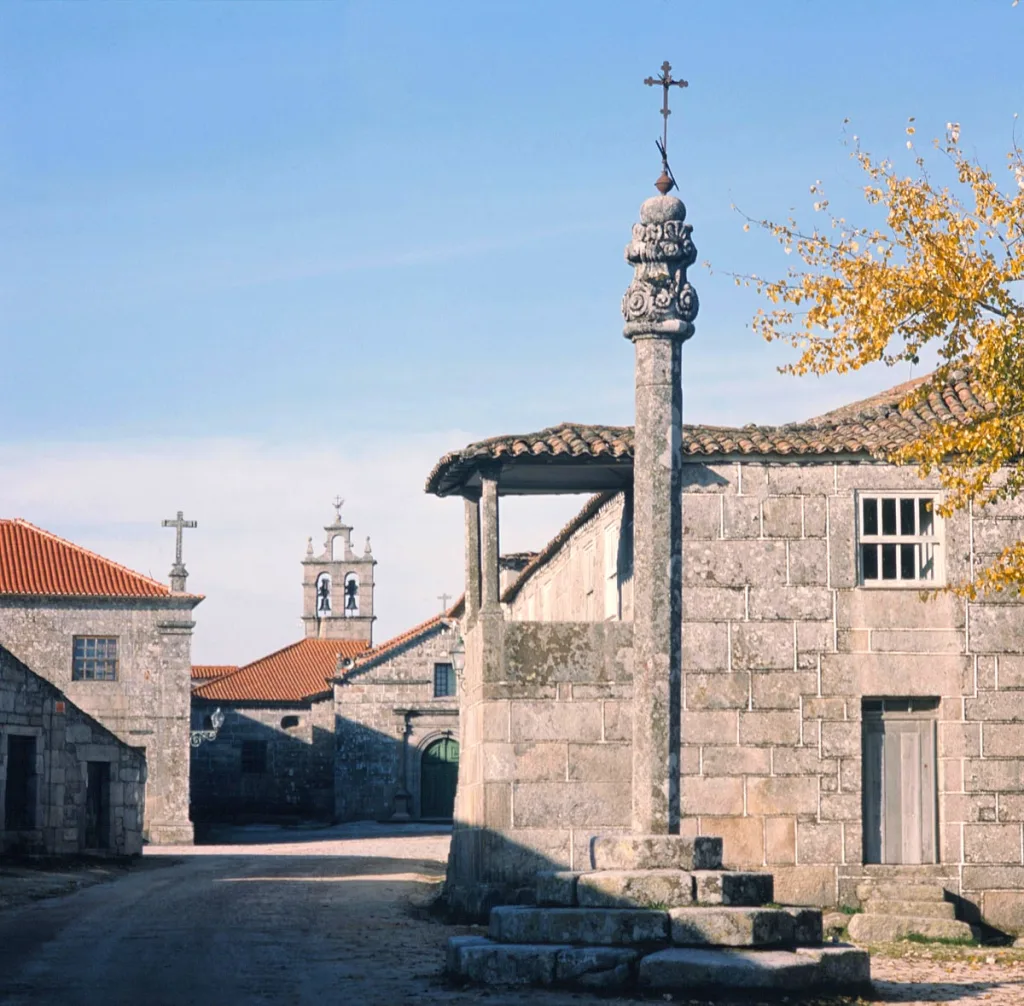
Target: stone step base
column 635, row 889
column 653, row 888
column 921, row 909
column 887, row 891
column 696, row 925
column 835, row 967
column 591, row 926
column 480, row 960
column 889, row 928
column 733, row 927
column 655, row 852
column 732, row 887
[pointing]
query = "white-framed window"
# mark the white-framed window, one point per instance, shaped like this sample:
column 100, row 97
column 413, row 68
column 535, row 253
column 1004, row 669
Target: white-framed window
column 899, row 539
column 94, row 658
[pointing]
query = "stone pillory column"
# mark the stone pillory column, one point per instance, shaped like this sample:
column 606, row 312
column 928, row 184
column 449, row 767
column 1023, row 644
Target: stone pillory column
column 659, row 307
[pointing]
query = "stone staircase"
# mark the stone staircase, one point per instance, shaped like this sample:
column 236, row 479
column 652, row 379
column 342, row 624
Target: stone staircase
column 902, row 901
column 658, row 913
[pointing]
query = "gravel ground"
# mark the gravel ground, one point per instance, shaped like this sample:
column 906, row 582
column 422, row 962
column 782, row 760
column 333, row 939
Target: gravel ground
column 287, row 916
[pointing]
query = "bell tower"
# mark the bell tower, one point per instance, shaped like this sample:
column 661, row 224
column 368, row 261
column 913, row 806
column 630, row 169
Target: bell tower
column 337, row 585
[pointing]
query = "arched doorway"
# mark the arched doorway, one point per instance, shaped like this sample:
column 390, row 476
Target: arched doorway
column 439, row 773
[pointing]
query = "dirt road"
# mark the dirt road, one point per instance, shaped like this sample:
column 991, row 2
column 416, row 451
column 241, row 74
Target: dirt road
column 303, row 918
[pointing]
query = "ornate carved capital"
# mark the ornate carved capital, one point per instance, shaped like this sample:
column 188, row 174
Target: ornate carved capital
column 660, row 302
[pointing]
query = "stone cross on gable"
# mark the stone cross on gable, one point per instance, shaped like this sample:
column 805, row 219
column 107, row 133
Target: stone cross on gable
column 338, row 504
column 444, row 599
column 178, row 571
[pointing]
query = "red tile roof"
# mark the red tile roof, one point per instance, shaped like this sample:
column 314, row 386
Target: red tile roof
column 868, row 427
column 207, row 672
column 34, row 561
column 405, row 638
column 293, row 674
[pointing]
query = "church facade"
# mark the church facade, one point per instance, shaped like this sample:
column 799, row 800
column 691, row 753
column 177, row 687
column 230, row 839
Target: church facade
column 331, row 727
column 117, row 644
column 397, row 721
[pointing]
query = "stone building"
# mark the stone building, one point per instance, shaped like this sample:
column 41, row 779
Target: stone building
column 117, row 644
column 330, row 727
column 273, row 756
column 803, row 700
column 67, row 784
column 397, row 722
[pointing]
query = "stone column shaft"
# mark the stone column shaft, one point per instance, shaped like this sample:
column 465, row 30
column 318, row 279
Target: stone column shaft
column 489, row 572
column 657, row 585
column 472, row 559
column 659, row 307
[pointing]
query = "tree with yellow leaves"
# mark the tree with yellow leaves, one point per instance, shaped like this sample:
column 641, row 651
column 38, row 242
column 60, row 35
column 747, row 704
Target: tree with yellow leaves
column 944, row 271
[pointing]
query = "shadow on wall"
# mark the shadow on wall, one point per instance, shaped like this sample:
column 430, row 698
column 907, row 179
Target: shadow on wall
column 258, row 770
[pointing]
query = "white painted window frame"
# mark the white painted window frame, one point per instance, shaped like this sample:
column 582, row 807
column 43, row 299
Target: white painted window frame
column 936, row 540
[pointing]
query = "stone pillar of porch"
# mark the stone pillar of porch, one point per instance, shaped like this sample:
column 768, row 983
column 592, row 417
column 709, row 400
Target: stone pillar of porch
column 472, row 560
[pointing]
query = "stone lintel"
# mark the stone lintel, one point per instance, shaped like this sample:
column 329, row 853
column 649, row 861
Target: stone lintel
column 176, row 628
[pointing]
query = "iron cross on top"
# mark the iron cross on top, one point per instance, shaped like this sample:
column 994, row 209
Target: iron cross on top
column 179, row 523
column 666, row 81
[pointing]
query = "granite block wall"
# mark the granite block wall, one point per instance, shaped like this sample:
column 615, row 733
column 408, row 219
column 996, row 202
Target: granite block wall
column 147, row 706
column 547, row 752
column 66, row 740
column 289, row 771
column 780, row 648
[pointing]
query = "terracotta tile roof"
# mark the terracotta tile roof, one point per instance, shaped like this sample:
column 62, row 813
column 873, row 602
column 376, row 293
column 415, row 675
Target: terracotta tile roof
column 293, row 674
column 867, row 427
column 541, row 558
column 34, row 561
column 207, row 672
column 566, row 442
column 404, row 638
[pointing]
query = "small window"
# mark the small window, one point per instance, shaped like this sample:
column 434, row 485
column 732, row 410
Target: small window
column 899, row 540
column 94, row 658
column 289, row 722
column 444, row 680
column 254, row 757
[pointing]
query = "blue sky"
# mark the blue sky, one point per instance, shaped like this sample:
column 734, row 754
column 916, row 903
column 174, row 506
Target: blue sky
column 256, row 254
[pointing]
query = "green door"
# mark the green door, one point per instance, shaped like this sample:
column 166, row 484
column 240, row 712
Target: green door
column 439, row 773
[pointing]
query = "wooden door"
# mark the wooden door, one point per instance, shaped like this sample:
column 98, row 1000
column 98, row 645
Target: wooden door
column 899, row 779
column 439, row 774
column 20, row 798
column 97, row 806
